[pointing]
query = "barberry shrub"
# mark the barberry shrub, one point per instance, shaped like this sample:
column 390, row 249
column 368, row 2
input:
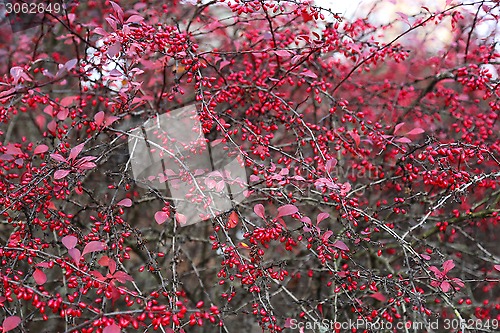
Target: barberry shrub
column 371, row 147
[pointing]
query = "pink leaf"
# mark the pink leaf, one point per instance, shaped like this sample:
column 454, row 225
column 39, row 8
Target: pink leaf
column 113, row 328
column 58, row 158
column 99, row 118
column 114, row 49
column 497, row 267
column 378, row 297
column 87, row 166
column 75, row 151
column 111, row 22
column 75, row 254
column 40, row 277
column 254, row 178
column 288, row 322
column 327, row 235
column 125, row 202
column 110, row 120
column 306, row 220
column 330, row 164
column 122, row 277
column 43, row 264
column 436, row 271
column 161, row 217
column 60, row 174
column 69, row 242
column 70, row 64
column 445, row 286
column 355, row 137
column 448, row 266
column 41, row 149
column 403, row 140
column 404, row 17
column 93, row 246
column 340, row 245
column 63, row 114
column 309, row 73
column 425, row 256
column 281, row 53
column 118, row 10
column 321, row 217
column 260, row 211
column 223, row 64
column 287, row 210
column 135, row 19
column 181, row 218
column 10, row 323
column 416, row 131
column 397, row 128
column 13, row 150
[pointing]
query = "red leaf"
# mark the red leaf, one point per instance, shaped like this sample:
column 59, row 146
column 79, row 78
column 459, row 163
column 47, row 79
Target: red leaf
column 321, row 217
column 260, row 211
column 113, row 328
column 397, row 128
column 340, row 245
column 40, row 149
column 10, row 323
column 125, row 202
column 161, row 217
column 93, row 246
column 75, row 151
column 106, row 261
column 287, row 210
column 61, row 173
column 69, row 242
column 233, row 220
column 39, row 276
column 416, row 131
